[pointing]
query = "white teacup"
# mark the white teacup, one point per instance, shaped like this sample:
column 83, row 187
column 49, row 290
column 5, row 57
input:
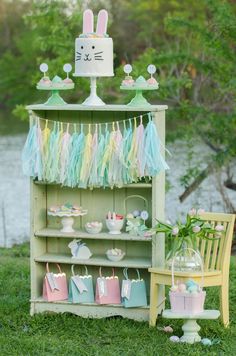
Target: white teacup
column 114, row 226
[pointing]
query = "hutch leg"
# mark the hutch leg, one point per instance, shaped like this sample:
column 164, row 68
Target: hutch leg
column 153, row 300
column 158, row 206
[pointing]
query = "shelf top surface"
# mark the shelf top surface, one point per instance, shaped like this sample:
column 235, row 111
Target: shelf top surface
column 48, row 232
column 206, row 314
column 132, row 262
column 78, row 107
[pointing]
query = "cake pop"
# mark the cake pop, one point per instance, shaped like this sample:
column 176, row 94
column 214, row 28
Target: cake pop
column 151, row 70
column 67, row 68
column 45, row 80
column 128, row 78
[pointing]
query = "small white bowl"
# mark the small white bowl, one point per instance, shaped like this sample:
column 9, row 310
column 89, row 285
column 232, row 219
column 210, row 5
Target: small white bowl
column 114, row 226
column 114, row 258
column 93, row 229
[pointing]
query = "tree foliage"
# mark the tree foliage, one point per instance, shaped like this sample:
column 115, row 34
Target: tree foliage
column 193, row 45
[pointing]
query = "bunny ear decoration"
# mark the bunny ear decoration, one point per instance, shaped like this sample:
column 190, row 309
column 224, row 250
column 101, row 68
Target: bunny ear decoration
column 102, row 23
column 88, row 21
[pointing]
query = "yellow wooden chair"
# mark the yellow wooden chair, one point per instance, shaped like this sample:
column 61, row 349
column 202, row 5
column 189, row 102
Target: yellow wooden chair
column 216, row 257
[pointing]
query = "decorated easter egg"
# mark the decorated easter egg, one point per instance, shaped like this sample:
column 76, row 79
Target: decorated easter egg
column 182, row 287
column 129, row 216
column 174, row 288
column 174, row 338
column 193, row 289
column 206, row 342
column 190, row 283
column 136, row 213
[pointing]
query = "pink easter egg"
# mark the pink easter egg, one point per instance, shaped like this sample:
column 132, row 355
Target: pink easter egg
column 182, row 287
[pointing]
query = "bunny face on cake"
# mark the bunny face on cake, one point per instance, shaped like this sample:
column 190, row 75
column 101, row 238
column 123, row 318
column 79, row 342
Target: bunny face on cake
column 94, row 50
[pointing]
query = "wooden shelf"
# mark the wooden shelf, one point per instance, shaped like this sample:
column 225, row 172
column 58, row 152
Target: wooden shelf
column 39, row 305
column 41, row 300
column 77, row 107
column 47, row 232
column 133, row 185
column 132, row 262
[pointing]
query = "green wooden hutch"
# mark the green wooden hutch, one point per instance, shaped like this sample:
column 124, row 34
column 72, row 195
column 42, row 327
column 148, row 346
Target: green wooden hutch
column 48, row 244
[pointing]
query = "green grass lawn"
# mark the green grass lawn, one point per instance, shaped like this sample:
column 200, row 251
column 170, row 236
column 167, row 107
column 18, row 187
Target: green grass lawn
column 65, row 334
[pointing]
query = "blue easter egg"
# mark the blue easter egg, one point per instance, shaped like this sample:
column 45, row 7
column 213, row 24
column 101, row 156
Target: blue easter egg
column 193, row 289
column 206, row 342
column 136, row 213
column 190, row 283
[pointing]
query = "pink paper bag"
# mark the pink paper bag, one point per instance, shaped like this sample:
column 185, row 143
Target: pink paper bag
column 107, row 289
column 55, row 285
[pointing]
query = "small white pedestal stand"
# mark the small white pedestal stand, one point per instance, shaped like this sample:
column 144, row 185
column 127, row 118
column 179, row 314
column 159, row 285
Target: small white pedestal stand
column 191, row 327
column 67, row 220
column 93, row 99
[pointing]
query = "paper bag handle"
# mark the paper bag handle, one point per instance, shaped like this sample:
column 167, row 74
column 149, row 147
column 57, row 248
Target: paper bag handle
column 125, row 273
column 73, row 272
column 100, row 272
column 47, row 267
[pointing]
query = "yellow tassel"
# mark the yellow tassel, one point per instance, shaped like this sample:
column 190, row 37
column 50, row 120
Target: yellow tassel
column 86, row 163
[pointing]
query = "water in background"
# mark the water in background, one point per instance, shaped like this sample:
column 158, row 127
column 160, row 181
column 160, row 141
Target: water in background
column 14, row 189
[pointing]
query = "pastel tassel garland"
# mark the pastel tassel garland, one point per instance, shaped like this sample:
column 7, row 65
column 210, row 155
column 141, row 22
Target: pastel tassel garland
column 99, row 159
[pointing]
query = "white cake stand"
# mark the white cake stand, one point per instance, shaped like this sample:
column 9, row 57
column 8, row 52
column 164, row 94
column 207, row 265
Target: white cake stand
column 67, row 219
column 93, row 99
column 191, row 327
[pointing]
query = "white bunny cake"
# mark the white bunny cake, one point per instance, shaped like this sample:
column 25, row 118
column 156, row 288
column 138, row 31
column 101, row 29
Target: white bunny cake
column 94, row 50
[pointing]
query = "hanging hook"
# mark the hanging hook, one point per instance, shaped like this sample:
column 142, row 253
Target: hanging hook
column 100, row 129
column 141, row 119
column 82, row 127
column 117, row 124
column 130, row 124
column 67, row 128
column 89, row 128
column 46, row 124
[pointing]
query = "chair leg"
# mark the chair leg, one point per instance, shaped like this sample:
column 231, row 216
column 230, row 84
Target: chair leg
column 153, row 301
column 224, row 303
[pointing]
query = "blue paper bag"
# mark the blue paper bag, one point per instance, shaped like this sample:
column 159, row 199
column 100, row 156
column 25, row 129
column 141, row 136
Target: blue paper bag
column 133, row 292
column 81, row 287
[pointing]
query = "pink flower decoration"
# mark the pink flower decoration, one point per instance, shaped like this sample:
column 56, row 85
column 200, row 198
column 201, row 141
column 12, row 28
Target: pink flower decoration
column 175, row 231
column 219, row 228
column 196, row 229
column 192, row 212
column 149, row 233
column 200, row 211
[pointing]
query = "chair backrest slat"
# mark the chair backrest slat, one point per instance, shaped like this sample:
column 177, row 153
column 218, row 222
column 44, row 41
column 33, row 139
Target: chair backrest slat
column 208, row 255
column 216, row 252
column 202, row 246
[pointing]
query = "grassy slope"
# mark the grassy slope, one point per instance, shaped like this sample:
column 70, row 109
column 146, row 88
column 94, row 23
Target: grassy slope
column 67, row 334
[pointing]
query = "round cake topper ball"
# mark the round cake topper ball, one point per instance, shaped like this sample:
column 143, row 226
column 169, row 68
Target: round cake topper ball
column 67, row 67
column 151, row 69
column 128, row 68
column 43, row 67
